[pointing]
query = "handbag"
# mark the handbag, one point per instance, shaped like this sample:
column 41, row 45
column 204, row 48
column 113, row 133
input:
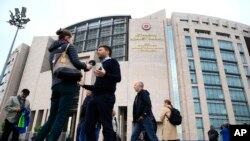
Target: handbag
column 64, row 69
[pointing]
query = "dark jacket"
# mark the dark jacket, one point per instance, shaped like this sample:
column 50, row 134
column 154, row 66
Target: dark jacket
column 213, row 135
column 107, row 83
column 58, row 47
column 84, row 107
column 142, row 105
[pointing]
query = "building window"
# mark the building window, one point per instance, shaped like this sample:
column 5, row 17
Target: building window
column 211, row 78
column 208, row 65
column 214, row 93
column 184, row 20
column 199, row 31
column 93, row 34
column 247, row 71
column 120, row 28
column 237, row 94
column 106, row 22
column 223, row 34
column 186, row 30
column 91, row 45
column 119, row 40
column 196, row 97
column 195, row 92
column 191, row 65
column 243, row 58
column 224, row 26
column 204, row 42
column 245, row 31
column 206, row 23
column 105, row 41
column 189, row 52
column 79, row 46
column 234, row 81
column 225, row 45
column 215, row 24
column 228, row 56
column 119, row 20
column 188, row 41
column 240, row 47
column 206, row 53
column 234, row 28
column 93, row 25
column 194, row 21
column 237, row 37
column 217, row 121
column 80, row 36
column 200, row 128
column 106, row 31
column 248, row 80
column 197, row 106
column 216, row 107
column 241, row 109
column 231, row 68
column 118, row 51
column 193, row 77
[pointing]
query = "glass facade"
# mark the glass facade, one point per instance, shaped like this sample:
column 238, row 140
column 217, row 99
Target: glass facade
column 200, row 128
column 225, row 45
column 111, row 31
column 189, row 46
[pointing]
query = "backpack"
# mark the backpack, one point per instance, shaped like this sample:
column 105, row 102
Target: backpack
column 175, row 116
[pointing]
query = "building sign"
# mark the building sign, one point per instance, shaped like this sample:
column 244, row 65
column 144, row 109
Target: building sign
column 146, row 37
column 147, row 42
column 147, row 47
column 146, row 26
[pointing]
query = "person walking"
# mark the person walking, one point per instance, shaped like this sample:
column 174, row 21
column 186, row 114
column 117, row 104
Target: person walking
column 142, row 114
column 212, row 134
column 63, row 91
column 102, row 103
column 225, row 132
column 81, row 136
column 169, row 131
column 14, row 107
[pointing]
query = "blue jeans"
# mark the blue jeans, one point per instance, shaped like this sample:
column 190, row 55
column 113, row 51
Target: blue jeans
column 144, row 124
column 82, row 132
column 61, row 101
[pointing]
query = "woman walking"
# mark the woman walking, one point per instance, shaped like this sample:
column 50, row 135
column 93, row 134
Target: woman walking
column 169, row 131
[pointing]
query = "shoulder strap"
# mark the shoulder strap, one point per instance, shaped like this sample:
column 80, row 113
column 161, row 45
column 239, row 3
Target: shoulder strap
column 65, row 51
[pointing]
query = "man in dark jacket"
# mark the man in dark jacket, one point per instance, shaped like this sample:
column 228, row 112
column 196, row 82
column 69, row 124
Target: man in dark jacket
column 81, row 127
column 102, row 103
column 142, row 114
column 213, row 134
column 63, row 91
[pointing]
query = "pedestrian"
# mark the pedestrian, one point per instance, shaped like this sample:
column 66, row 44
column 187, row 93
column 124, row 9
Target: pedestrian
column 142, row 114
column 63, row 90
column 212, row 134
column 115, row 127
column 102, row 103
column 225, row 132
column 146, row 138
column 81, row 136
column 169, row 131
column 15, row 107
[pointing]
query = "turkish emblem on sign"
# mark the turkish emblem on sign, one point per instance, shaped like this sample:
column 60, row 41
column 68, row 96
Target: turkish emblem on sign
column 146, row 26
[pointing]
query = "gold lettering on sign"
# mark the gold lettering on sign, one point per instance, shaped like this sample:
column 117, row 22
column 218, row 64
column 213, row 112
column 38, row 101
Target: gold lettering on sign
column 147, row 47
column 148, row 36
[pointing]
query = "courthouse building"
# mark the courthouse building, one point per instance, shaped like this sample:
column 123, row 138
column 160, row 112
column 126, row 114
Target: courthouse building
column 199, row 62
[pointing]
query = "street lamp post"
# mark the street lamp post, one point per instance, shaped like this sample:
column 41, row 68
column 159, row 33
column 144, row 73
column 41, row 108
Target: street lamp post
column 18, row 20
